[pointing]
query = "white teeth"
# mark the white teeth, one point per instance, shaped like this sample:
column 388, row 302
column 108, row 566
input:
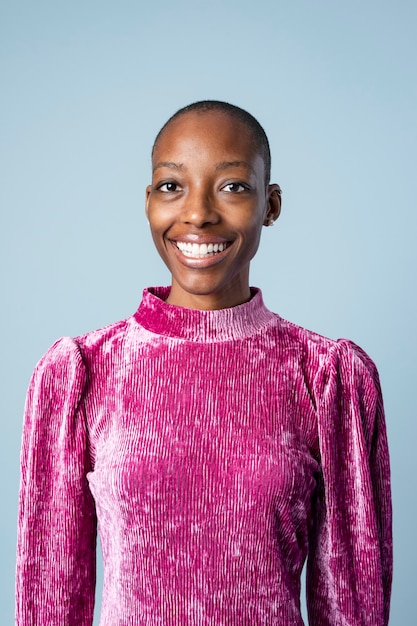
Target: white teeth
column 199, row 251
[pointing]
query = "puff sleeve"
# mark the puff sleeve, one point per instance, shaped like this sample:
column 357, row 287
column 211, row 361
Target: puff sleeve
column 55, row 580
column 349, row 566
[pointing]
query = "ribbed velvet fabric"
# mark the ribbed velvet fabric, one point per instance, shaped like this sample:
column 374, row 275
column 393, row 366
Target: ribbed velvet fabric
column 217, row 450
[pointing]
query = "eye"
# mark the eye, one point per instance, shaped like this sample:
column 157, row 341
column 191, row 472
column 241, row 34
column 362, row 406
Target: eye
column 168, row 187
column 235, row 188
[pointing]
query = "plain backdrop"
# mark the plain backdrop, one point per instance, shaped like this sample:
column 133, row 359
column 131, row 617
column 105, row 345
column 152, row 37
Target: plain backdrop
column 85, row 86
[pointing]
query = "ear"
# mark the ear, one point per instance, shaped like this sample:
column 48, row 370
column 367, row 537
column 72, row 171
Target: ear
column 273, row 204
column 147, row 196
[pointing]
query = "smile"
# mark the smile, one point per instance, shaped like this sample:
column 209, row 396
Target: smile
column 202, row 250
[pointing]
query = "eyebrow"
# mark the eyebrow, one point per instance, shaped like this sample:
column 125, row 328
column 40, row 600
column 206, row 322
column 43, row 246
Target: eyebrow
column 223, row 165
column 170, row 164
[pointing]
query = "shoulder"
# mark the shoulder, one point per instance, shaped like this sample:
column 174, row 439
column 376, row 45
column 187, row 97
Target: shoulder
column 309, row 347
column 101, row 337
column 60, row 370
column 68, row 357
column 63, row 355
column 325, row 362
column 303, row 336
column 347, row 391
column 349, row 363
column 334, row 352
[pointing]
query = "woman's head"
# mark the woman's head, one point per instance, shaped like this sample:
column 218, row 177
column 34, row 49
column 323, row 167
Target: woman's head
column 260, row 140
column 208, row 201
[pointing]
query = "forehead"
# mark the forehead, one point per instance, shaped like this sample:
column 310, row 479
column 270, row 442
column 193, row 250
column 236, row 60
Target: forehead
column 214, row 131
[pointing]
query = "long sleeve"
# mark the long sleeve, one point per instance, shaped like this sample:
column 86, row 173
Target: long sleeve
column 350, row 557
column 57, row 524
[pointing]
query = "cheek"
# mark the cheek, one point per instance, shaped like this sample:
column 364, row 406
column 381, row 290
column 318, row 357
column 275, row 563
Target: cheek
column 253, row 234
column 157, row 222
column 161, row 217
column 159, row 242
column 156, row 233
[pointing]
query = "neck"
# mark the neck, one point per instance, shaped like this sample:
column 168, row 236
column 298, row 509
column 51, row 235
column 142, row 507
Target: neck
column 224, row 298
column 157, row 315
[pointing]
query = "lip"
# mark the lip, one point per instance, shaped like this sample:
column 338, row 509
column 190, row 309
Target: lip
column 202, row 238
column 204, row 262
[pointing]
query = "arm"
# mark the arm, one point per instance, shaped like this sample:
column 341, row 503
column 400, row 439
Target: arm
column 55, row 578
column 350, row 559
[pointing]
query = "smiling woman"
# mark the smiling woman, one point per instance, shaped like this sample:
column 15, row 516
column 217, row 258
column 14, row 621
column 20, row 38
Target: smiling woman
column 217, row 445
column 206, row 206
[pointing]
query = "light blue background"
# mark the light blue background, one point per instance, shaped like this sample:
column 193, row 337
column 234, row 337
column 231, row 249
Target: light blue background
column 86, row 86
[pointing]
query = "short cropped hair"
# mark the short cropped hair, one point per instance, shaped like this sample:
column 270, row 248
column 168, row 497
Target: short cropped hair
column 258, row 134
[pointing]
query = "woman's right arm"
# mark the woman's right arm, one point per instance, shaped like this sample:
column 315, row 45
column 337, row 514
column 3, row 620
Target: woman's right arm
column 55, row 581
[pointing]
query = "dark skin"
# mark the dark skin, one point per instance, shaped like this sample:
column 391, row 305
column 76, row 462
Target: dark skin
column 206, row 207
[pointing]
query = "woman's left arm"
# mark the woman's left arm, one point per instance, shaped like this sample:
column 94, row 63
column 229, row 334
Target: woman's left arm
column 350, row 559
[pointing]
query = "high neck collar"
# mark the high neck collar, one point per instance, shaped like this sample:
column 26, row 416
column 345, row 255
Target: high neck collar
column 237, row 322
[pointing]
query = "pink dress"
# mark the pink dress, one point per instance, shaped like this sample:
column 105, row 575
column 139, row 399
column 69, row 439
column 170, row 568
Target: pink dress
column 216, row 450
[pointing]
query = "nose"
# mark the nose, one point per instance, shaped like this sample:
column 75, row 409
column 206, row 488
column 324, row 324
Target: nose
column 199, row 208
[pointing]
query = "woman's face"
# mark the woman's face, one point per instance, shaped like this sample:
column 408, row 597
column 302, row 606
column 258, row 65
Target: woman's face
column 206, row 206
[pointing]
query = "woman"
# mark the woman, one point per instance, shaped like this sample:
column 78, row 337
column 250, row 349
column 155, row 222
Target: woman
column 216, row 444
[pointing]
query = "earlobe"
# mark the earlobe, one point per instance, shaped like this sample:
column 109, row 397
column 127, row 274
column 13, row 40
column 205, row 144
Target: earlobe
column 147, row 196
column 273, row 204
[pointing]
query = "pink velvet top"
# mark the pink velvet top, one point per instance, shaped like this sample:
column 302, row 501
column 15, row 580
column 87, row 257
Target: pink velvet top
column 217, row 450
